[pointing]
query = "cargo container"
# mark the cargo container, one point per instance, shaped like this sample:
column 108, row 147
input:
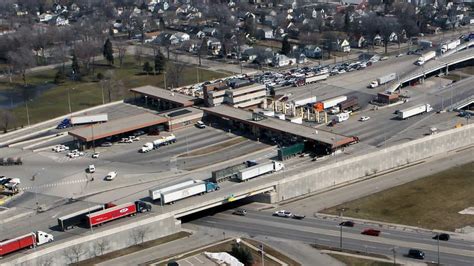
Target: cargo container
column 285, row 153
column 320, row 106
column 88, row 119
column 382, row 80
column 110, row 214
column 425, row 57
column 415, row 110
column 450, row 45
column 259, row 170
column 230, row 172
column 155, row 193
column 74, row 219
column 25, row 241
column 198, row 187
column 351, row 104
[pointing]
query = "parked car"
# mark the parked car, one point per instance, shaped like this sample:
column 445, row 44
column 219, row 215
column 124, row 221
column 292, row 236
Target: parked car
column 73, row 155
column 364, row 118
column 347, row 223
column 283, row 213
column 442, row 237
column 91, row 169
column 371, row 232
column 240, row 212
column 106, row 144
column 110, row 176
column 416, row 254
column 95, row 155
column 134, row 138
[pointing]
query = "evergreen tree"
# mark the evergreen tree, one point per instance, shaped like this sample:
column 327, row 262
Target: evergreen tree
column 147, row 68
column 285, row 46
column 160, row 62
column 108, row 52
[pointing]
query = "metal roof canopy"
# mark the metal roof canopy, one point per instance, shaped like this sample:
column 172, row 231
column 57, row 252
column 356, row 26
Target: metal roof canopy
column 320, row 136
column 159, row 93
column 118, row 126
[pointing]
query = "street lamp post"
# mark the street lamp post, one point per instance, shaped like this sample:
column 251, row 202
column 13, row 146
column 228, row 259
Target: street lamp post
column 394, row 250
column 341, row 214
column 437, row 240
column 27, row 112
column 69, row 99
column 263, row 258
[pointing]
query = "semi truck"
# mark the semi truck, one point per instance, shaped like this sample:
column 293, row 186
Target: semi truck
column 425, row 57
column 310, row 79
column 119, row 211
column 382, row 80
column 164, row 140
column 320, row 106
column 450, row 45
column 259, row 170
column 351, row 104
column 146, row 147
column 89, row 119
column 25, row 241
column 285, row 153
column 74, row 219
column 155, row 193
column 230, row 172
column 415, row 110
column 198, row 187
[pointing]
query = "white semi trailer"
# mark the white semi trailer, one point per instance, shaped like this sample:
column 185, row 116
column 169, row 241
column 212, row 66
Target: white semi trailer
column 89, row 119
column 196, row 188
column 259, row 170
column 155, row 193
column 415, row 110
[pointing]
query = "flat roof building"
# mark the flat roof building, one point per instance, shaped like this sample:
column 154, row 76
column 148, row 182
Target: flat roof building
column 163, row 99
column 241, row 97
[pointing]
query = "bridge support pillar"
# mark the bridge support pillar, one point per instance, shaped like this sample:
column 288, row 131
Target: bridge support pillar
column 447, row 70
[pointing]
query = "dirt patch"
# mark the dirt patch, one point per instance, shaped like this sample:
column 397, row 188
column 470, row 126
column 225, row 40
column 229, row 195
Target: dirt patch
column 349, row 260
column 433, row 202
column 214, row 148
column 132, row 249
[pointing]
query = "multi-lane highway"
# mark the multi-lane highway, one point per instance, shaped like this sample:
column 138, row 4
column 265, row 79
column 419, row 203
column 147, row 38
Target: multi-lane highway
column 326, row 232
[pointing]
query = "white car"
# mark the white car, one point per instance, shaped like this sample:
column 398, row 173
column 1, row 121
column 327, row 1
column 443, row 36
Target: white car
column 134, row 138
column 91, row 169
column 73, row 155
column 110, row 176
column 58, row 149
column 283, row 213
column 95, row 155
column 364, row 118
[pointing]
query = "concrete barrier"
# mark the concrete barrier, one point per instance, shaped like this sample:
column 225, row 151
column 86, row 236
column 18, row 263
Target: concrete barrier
column 101, row 241
column 351, row 169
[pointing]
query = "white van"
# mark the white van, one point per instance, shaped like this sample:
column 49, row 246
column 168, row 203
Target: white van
column 91, row 168
column 200, row 124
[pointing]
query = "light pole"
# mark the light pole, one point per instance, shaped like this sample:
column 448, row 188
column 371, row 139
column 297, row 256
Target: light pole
column 437, row 241
column 394, row 250
column 33, row 178
column 341, row 214
column 263, row 258
column 27, row 112
column 69, row 99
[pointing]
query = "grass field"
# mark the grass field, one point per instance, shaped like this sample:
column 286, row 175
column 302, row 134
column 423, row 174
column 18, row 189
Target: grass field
column 432, row 202
column 88, row 92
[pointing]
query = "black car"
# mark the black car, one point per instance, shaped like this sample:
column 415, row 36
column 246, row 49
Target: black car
column 298, row 216
column 347, row 223
column 442, row 237
column 416, row 254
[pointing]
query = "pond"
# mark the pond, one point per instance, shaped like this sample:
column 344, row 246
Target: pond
column 11, row 98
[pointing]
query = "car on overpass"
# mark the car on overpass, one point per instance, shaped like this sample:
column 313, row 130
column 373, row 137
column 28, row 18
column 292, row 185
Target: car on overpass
column 371, row 232
column 283, row 213
column 416, row 254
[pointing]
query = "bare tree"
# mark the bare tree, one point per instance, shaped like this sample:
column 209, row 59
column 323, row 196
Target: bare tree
column 100, row 246
column 86, row 52
column 175, row 72
column 73, row 254
column 138, row 235
column 138, row 54
column 121, row 49
column 21, row 60
column 7, row 118
column 46, row 261
column 115, row 88
column 61, row 54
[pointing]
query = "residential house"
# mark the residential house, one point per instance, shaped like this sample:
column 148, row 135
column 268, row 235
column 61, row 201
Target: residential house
column 191, row 46
column 312, row 51
column 214, row 46
column 280, row 60
column 179, row 37
column 60, row 21
column 357, row 41
column 208, row 31
column 343, row 46
column 45, row 17
column 265, row 33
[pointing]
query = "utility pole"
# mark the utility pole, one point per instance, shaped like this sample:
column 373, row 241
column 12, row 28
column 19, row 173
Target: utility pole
column 27, row 113
column 437, row 240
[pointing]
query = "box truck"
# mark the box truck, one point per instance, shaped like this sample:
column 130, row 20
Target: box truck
column 197, row 188
column 259, row 170
column 110, row 214
column 415, row 110
column 382, row 80
column 25, row 241
column 450, row 45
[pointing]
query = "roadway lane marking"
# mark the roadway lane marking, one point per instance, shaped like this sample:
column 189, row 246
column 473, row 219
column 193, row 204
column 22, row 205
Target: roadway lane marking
column 56, row 184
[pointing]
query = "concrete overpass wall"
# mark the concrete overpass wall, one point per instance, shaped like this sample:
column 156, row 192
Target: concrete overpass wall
column 371, row 163
column 62, row 252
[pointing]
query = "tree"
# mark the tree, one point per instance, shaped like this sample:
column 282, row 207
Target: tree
column 74, row 253
column 75, row 65
column 21, row 60
column 285, row 46
column 108, row 52
column 242, row 253
column 138, row 235
column 202, row 50
column 59, row 77
column 138, row 54
column 100, row 246
column 160, row 62
column 147, row 68
column 7, row 118
column 386, row 27
column 175, row 73
column 121, row 49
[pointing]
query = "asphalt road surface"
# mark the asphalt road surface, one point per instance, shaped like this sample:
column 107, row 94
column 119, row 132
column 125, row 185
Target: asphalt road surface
column 326, row 232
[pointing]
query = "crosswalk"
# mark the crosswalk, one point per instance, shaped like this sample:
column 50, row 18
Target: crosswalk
column 64, row 183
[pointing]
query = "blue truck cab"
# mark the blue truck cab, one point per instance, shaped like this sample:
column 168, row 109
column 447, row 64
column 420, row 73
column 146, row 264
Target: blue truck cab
column 210, row 187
